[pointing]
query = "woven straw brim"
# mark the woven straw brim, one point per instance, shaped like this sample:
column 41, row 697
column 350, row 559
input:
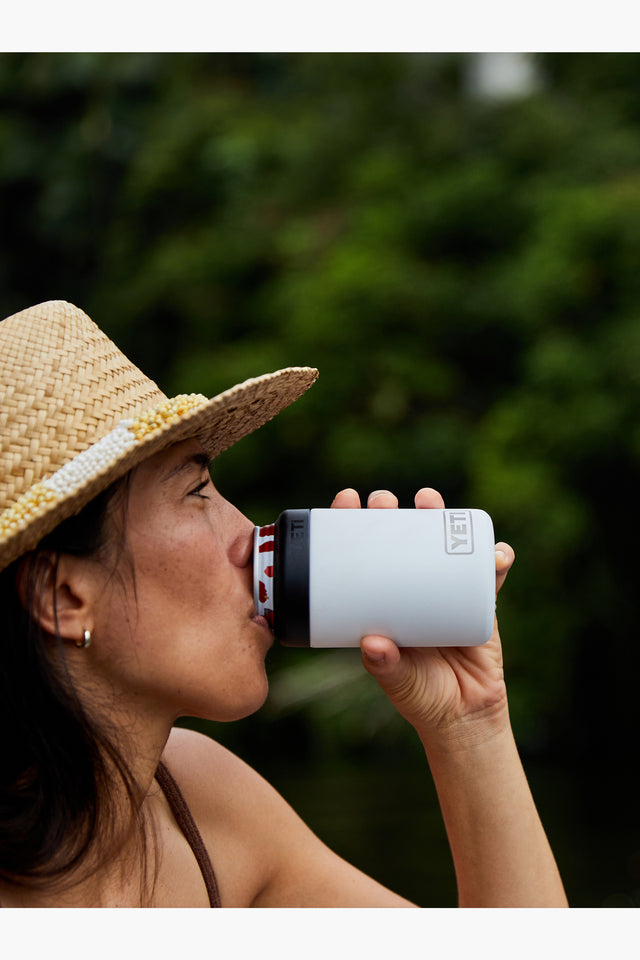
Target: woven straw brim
column 69, row 397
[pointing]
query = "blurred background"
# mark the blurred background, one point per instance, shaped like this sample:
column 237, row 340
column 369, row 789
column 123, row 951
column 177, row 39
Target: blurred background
column 453, row 240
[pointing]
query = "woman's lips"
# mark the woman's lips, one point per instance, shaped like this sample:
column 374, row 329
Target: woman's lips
column 261, row 622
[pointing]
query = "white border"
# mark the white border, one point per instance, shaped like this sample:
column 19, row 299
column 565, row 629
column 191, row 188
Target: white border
column 315, row 934
column 333, row 25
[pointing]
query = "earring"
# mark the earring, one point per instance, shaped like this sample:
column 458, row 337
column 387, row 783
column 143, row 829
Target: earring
column 86, row 640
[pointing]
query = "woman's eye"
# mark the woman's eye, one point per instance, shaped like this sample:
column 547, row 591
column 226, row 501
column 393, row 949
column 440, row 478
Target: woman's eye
column 197, row 491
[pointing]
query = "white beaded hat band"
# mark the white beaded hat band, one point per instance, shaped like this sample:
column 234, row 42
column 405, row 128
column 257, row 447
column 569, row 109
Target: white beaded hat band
column 76, row 414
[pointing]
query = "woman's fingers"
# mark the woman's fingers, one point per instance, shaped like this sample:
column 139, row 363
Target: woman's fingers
column 504, row 561
column 428, row 499
column 349, row 499
column 382, row 500
column 346, row 500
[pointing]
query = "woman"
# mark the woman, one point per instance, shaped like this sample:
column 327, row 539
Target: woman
column 126, row 590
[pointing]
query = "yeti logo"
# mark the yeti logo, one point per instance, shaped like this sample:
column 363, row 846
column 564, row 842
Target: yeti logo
column 458, row 531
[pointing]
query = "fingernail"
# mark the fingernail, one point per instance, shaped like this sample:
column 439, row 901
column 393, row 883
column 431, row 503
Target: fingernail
column 375, row 658
column 377, row 493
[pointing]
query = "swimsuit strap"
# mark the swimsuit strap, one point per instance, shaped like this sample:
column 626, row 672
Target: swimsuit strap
column 188, row 826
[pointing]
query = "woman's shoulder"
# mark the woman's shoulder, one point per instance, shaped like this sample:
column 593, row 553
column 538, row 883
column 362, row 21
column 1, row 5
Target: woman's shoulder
column 262, row 852
column 185, row 747
column 222, row 791
column 205, row 770
column 247, row 827
column 230, row 804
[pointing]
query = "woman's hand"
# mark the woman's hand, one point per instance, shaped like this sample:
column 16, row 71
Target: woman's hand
column 444, row 692
column 456, row 699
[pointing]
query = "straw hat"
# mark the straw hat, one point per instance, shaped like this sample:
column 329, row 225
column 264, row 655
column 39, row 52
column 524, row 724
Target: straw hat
column 76, row 414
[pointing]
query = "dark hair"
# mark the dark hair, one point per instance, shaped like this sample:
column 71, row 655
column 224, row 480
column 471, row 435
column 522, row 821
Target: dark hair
column 57, row 763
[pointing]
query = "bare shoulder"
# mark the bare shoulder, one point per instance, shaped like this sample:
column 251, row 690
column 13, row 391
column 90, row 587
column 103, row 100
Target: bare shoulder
column 198, row 761
column 232, row 806
column 262, row 852
column 215, row 782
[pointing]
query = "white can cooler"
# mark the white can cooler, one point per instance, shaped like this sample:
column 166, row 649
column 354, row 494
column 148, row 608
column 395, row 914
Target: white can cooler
column 328, row 577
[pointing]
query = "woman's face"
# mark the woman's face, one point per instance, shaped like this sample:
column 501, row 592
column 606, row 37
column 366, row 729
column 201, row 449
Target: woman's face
column 182, row 632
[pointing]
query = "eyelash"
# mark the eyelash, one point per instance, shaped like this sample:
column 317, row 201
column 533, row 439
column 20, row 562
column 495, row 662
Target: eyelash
column 196, row 491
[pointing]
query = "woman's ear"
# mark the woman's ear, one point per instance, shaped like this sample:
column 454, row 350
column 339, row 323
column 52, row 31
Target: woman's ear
column 64, row 594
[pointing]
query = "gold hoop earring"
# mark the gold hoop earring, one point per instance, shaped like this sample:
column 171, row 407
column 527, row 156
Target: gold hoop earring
column 86, row 640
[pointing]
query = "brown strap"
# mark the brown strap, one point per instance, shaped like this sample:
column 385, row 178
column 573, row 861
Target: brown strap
column 188, row 826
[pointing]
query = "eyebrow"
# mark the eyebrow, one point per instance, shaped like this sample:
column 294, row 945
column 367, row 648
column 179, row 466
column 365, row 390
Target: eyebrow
column 199, row 460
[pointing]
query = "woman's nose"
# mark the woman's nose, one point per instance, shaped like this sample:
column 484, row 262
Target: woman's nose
column 241, row 545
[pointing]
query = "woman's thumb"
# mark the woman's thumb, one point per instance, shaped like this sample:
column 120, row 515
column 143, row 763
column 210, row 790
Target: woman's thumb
column 381, row 658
